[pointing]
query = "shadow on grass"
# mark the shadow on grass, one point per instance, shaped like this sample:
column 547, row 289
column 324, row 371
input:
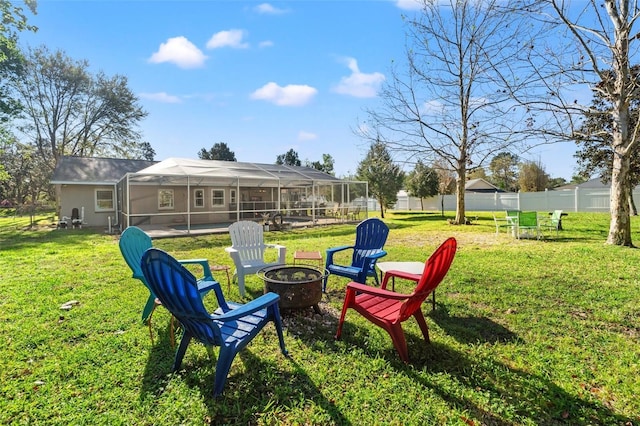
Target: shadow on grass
column 470, row 330
column 491, row 391
column 248, row 394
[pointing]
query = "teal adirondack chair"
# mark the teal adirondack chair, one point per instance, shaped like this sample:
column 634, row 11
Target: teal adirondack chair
column 133, row 243
column 230, row 327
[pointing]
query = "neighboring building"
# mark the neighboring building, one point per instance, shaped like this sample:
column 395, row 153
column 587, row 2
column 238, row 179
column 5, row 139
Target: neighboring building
column 481, row 185
column 185, row 192
column 405, row 202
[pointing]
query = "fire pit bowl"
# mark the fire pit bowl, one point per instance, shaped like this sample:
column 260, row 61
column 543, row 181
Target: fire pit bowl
column 299, row 286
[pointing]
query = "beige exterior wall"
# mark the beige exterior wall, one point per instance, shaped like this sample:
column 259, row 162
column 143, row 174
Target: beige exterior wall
column 80, row 196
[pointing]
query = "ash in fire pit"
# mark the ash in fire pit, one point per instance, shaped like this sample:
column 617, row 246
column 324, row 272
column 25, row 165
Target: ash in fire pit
column 298, row 286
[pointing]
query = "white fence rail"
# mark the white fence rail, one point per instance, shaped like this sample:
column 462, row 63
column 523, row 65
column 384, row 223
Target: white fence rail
column 578, row 200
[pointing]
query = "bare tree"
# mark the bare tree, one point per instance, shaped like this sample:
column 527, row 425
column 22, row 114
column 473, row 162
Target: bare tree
column 591, row 49
column 453, row 101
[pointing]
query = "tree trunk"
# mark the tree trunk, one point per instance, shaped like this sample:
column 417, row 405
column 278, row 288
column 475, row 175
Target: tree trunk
column 632, row 204
column 461, row 179
column 381, row 209
column 620, row 226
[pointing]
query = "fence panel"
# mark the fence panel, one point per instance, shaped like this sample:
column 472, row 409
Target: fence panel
column 578, row 200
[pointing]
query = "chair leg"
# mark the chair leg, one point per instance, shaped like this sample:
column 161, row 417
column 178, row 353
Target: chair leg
column 349, row 299
column 184, row 342
column 148, row 308
column 225, row 359
column 419, row 316
column 399, row 341
column 172, row 334
column 149, row 324
column 277, row 321
column 241, row 283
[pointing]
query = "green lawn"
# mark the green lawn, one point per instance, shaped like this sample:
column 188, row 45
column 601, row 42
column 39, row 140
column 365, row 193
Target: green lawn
column 525, row 332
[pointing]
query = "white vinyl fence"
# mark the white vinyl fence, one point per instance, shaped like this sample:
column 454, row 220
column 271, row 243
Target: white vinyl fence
column 578, row 200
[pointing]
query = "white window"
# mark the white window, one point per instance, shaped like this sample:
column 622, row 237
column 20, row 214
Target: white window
column 165, row 199
column 104, row 200
column 232, row 196
column 198, row 198
column 217, row 197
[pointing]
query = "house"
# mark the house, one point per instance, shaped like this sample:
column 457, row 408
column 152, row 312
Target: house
column 89, row 184
column 480, row 185
column 186, row 192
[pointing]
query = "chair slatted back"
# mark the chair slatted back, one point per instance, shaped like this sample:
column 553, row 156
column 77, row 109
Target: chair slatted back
column 177, row 289
column 133, row 243
column 371, row 235
column 435, row 269
column 248, row 238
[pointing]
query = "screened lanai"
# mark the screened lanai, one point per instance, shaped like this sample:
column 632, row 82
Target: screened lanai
column 192, row 193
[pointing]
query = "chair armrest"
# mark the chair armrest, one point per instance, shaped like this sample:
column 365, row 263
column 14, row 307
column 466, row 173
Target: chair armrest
column 333, row 250
column 370, row 260
column 235, row 256
column 377, row 255
column 375, row 291
column 399, row 274
column 255, row 305
column 202, row 262
column 282, row 252
column 274, row 246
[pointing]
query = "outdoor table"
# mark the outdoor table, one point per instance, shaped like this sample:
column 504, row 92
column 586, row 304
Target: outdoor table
column 414, row 268
column 563, row 214
column 308, row 255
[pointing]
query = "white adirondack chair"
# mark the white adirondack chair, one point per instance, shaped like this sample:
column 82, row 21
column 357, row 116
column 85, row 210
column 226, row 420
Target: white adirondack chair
column 247, row 250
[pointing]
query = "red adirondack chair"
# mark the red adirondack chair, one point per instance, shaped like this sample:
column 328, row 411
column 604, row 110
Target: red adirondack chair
column 388, row 309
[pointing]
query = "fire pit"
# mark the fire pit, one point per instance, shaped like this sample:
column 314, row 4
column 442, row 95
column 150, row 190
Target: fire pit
column 299, row 286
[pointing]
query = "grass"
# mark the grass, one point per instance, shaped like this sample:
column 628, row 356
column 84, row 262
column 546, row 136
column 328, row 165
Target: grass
column 526, row 332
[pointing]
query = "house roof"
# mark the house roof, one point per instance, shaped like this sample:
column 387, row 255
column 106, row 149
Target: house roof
column 595, row 183
column 201, row 172
column 109, row 171
column 92, row 170
column 480, row 185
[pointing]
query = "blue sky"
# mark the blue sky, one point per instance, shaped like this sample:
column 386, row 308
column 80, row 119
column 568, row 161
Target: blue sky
column 262, row 77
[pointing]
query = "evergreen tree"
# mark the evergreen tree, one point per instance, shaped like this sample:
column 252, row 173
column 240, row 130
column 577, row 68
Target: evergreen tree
column 385, row 178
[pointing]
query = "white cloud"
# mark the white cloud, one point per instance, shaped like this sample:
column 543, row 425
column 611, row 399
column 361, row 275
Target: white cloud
column 306, row 136
column 291, row 95
column 409, row 4
column 230, row 38
column 161, row 97
column 179, row 51
column 268, row 9
column 434, row 107
column 358, row 84
column 266, row 43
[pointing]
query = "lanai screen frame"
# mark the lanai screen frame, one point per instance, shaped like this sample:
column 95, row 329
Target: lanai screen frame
column 238, row 175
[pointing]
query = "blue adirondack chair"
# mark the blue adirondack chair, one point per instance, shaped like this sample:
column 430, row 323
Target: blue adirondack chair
column 133, row 243
column 371, row 234
column 230, row 327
